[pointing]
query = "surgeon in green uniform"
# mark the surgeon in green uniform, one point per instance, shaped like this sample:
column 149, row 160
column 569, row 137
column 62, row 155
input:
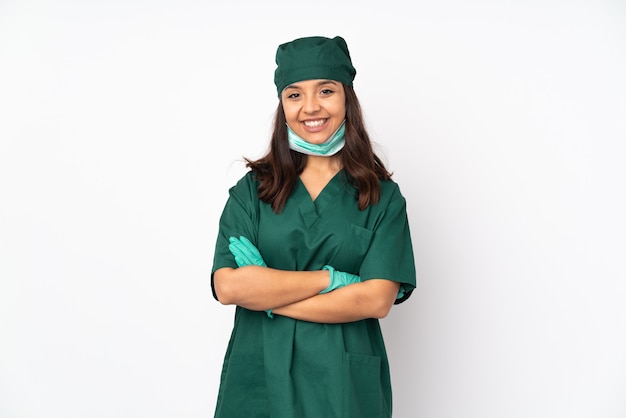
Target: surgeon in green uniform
column 313, row 248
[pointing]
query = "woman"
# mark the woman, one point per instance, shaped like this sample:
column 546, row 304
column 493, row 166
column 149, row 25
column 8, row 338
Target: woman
column 313, row 248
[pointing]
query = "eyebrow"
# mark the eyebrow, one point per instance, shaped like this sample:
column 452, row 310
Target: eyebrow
column 319, row 83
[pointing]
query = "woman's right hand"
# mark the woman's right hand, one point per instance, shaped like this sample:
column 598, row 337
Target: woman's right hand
column 339, row 279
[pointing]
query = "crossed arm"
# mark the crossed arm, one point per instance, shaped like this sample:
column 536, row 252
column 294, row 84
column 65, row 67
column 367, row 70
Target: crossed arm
column 296, row 294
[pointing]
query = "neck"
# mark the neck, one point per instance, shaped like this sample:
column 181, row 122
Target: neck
column 323, row 164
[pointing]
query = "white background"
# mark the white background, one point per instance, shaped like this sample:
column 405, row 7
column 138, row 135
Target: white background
column 124, row 123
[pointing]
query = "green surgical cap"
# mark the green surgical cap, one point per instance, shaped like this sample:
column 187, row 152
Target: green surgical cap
column 313, row 58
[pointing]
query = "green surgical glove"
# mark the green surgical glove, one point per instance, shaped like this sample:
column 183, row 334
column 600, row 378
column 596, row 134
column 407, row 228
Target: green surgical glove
column 246, row 254
column 339, row 279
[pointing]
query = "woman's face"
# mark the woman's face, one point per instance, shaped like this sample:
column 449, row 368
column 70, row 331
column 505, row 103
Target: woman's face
column 314, row 109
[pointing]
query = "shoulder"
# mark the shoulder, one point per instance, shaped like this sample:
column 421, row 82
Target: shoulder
column 390, row 192
column 246, row 187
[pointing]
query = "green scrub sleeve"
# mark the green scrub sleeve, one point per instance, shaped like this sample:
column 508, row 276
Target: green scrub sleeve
column 240, row 217
column 390, row 255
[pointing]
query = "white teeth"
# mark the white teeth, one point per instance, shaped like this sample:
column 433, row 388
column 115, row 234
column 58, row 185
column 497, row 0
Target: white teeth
column 314, row 123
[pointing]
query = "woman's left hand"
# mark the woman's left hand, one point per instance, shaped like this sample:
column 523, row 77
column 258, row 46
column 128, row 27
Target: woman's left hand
column 246, row 254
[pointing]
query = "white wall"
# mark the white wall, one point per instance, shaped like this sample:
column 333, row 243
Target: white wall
column 123, row 123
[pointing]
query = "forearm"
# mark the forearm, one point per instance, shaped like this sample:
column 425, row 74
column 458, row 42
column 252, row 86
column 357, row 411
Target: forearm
column 369, row 299
column 261, row 288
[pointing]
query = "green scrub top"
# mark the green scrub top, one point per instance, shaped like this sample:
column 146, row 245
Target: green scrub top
column 287, row 368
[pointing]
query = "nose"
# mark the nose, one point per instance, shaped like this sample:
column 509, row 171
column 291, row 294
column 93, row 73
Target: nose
column 311, row 104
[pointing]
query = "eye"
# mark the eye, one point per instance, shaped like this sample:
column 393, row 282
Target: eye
column 326, row 92
column 293, row 96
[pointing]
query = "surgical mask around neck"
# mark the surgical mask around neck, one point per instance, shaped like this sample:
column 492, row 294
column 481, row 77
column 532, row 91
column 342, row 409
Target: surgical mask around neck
column 330, row 147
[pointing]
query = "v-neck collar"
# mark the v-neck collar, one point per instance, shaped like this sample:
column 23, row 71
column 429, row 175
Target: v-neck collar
column 312, row 209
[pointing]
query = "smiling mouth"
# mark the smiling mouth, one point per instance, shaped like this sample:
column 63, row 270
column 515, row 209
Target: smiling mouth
column 314, row 123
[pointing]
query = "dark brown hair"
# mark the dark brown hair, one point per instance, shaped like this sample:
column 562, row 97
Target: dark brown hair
column 278, row 170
